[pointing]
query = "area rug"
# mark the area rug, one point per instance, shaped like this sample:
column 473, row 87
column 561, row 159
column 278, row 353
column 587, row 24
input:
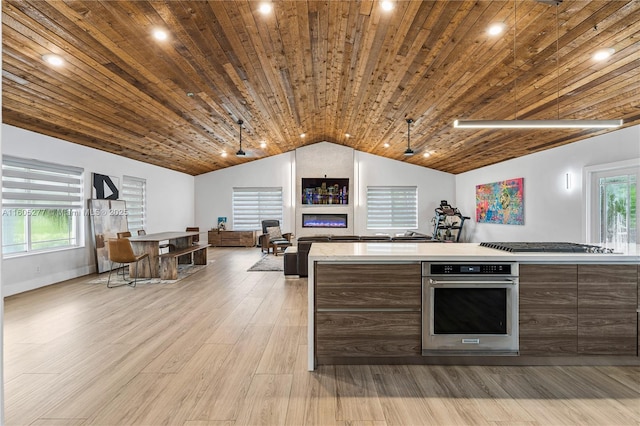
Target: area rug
column 184, row 271
column 269, row 262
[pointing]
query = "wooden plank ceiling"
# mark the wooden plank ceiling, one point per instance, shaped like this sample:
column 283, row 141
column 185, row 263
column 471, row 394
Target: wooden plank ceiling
column 322, row 68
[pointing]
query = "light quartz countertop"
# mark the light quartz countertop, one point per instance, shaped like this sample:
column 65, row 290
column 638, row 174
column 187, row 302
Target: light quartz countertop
column 457, row 252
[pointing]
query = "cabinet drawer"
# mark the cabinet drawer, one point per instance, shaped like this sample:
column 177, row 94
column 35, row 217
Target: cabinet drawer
column 368, row 286
column 370, row 334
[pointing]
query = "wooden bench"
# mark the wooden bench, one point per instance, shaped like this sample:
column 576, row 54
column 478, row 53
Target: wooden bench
column 169, row 261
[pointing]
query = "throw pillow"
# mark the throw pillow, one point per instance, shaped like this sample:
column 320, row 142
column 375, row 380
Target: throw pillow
column 274, row 232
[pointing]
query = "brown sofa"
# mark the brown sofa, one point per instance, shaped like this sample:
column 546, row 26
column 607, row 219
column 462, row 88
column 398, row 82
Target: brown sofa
column 304, row 245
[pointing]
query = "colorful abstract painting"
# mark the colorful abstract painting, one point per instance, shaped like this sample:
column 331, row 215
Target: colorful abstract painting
column 501, row 202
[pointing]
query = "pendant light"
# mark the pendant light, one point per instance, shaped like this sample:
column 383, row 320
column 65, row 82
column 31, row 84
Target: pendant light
column 409, row 152
column 537, row 124
column 240, row 152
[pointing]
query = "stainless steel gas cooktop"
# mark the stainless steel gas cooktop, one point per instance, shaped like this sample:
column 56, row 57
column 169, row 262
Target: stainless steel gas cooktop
column 546, row 247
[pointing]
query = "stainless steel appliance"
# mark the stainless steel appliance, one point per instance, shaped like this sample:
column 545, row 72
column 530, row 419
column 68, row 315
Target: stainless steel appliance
column 470, row 308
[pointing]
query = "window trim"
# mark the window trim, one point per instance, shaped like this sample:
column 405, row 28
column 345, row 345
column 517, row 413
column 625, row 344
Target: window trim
column 260, row 215
column 588, row 173
column 389, row 224
column 19, row 176
column 125, row 179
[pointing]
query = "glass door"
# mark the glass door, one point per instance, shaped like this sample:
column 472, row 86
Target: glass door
column 614, row 206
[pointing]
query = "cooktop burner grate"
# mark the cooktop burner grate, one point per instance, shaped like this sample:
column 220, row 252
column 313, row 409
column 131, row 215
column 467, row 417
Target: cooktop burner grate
column 546, row 247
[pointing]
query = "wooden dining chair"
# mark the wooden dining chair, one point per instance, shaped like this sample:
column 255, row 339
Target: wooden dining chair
column 195, row 238
column 125, row 234
column 120, row 251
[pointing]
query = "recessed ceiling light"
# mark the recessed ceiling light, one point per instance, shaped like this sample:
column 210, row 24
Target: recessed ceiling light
column 386, row 145
column 190, row 94
column 603, row 54
column 265, row 8
column 160, row 35
column 54, row 60
column 387, row 5
column 426, row 154
column 224, row 153
column 263, row 144
column 496, row 28
column 302, row 135
column 347, row 135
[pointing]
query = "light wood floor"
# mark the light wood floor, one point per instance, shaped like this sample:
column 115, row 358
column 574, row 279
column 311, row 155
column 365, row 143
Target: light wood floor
column 228, row 347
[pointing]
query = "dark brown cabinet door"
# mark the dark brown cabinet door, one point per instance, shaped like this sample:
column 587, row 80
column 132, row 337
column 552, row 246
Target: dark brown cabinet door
column 548, row 309
column 607, row 304
column 368, row 310
column 368, row 334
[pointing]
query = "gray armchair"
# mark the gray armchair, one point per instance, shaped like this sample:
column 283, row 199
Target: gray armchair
column 273, row 238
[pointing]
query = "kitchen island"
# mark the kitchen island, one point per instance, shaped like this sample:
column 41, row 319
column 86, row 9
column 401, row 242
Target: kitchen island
column 365, row 302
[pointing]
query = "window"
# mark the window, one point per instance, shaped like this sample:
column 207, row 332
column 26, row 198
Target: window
column 614, row 205
column 41, row 206
column 253, row 205
column 392, row 207
column 134, row 194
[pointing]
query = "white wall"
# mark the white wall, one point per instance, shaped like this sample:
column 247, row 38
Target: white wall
column 317, row 161
column 552, row 213
column 170, row 201
column 1, row 303
column 214, row 190
column 433, row 186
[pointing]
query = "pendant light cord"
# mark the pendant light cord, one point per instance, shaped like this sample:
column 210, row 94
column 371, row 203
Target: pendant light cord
column 557, row 62
column 515, row 66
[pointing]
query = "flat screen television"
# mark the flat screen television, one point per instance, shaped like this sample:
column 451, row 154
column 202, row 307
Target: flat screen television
column 325, row 190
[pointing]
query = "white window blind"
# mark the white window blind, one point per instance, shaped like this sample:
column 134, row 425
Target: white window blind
column 392, row 207
column 41, row 205
column 134, row 193
column 253, row 205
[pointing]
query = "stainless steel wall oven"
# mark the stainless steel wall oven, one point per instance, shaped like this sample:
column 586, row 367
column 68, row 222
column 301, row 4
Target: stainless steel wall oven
column 470, row 308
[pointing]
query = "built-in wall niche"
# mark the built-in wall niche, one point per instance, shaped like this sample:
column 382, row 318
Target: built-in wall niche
column 324, row 220
column 325, row 191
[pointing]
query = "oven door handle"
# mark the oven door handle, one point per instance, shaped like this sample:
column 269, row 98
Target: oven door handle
column 474, row 282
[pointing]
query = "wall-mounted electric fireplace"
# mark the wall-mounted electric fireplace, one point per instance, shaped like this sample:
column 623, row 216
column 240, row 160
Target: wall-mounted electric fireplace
column 321, row 220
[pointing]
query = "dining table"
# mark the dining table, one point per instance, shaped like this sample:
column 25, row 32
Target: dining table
column 150, row 244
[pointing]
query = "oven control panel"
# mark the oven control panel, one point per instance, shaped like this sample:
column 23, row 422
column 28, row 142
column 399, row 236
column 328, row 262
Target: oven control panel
column 468, row 269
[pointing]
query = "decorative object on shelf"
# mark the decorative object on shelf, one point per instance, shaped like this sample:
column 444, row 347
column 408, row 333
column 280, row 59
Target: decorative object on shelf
column 501, row 202
column 222, row 223
column 409, row 152
column 105, row 187
column 240, row 152
column 325, row 191
column 537, row 124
